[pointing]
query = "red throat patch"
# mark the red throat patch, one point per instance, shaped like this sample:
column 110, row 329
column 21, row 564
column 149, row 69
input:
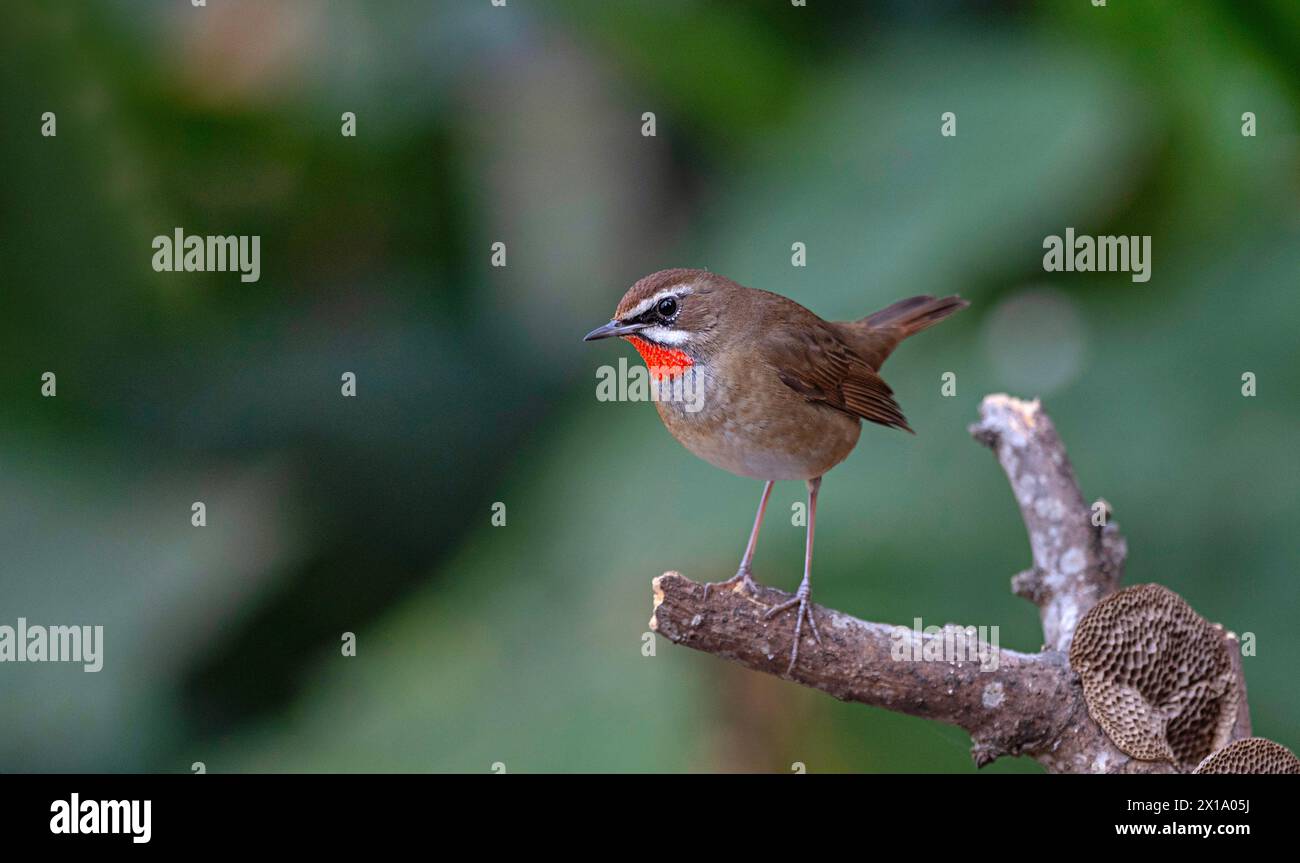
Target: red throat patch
column 662, row 362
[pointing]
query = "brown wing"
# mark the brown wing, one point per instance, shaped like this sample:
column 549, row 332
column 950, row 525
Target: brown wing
column 815, row 363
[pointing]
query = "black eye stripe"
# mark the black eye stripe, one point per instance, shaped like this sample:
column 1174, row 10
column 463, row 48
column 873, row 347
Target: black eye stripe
column 656, row 314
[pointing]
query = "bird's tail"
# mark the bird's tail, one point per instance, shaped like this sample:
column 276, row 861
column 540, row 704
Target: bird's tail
column 914, row 314
column 876, row 335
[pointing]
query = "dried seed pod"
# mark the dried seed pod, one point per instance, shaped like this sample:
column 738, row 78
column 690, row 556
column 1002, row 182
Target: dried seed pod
column 1158, row 677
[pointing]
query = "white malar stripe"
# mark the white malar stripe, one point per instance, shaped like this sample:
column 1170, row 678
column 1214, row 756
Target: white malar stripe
column 641, row 307
column 665, row 335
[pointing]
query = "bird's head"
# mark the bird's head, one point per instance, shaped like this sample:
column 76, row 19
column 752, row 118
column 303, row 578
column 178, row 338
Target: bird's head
column 671, row 317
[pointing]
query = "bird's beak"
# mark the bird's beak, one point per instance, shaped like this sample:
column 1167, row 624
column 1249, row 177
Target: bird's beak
column 613, row 328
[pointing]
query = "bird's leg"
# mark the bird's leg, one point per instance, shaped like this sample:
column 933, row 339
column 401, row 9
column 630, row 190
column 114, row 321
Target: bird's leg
column 743, row 574
column 803, row 596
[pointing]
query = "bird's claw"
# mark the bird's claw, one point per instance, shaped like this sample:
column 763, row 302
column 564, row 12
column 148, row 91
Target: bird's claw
column 802, row 599
column 741, row 576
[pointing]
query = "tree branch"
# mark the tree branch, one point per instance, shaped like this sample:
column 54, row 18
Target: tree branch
column 1007, row 708
column 1075, row 563
column 1010, row 702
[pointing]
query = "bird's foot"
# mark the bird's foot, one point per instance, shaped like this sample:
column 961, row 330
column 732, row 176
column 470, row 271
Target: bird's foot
column 802, row 599
column 742, row 576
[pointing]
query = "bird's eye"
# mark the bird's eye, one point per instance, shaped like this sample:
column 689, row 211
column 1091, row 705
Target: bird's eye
column 667, row 307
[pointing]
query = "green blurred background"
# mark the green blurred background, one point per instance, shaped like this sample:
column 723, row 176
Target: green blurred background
column 776, row 124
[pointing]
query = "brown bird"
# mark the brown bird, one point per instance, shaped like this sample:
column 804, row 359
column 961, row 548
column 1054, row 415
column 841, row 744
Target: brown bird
column 782, row 392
